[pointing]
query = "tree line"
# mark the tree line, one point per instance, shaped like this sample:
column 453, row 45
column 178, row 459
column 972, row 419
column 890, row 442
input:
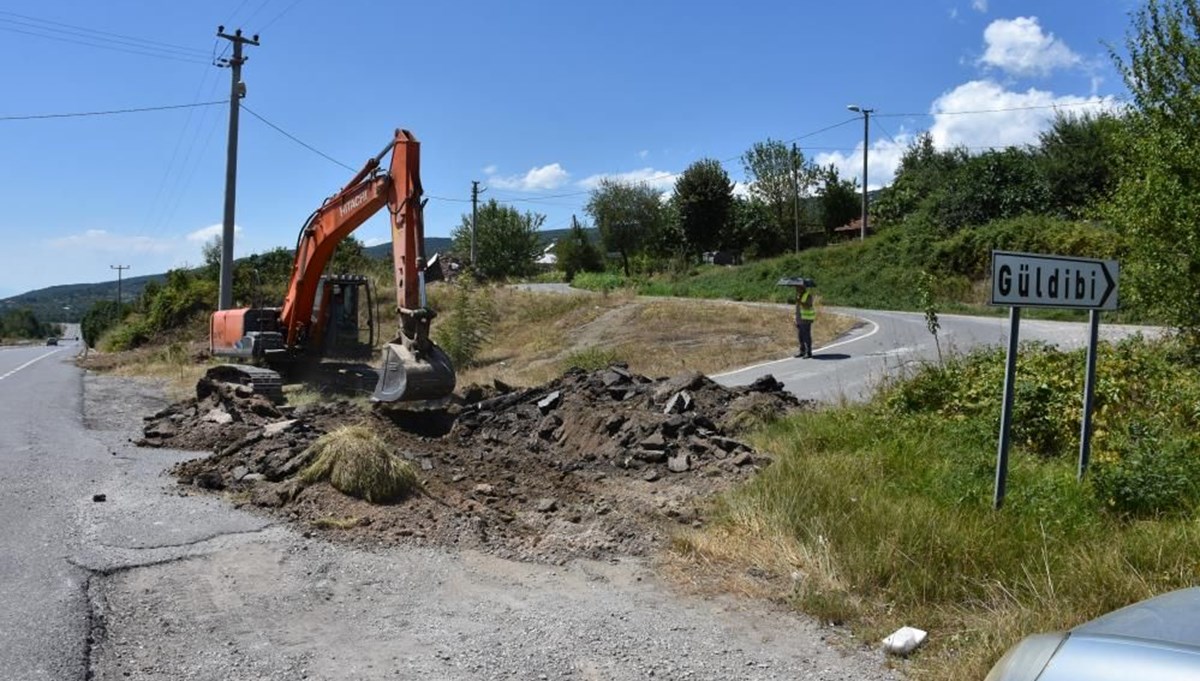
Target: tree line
column 23, row 323
column 789, row 202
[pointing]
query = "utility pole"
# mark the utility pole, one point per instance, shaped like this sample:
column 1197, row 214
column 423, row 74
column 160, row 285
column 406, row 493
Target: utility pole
column 796, row 194
column 475, row 192
column 237, row 90
column 119, row 269
column 862, row 233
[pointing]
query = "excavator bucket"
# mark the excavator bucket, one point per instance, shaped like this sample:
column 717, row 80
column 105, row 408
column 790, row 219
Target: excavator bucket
column 405, row 377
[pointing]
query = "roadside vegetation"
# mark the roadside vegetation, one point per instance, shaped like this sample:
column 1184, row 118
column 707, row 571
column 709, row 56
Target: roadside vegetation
column 875, row 515
column 22, row 324
column 880, row 515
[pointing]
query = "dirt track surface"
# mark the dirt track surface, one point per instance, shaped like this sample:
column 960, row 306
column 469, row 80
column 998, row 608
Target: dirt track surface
column 278, row 603
column 592, row 465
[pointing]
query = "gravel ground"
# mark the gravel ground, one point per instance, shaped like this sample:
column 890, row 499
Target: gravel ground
column 265, row 602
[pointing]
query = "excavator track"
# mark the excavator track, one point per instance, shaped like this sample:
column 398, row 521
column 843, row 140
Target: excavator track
column 262, row 381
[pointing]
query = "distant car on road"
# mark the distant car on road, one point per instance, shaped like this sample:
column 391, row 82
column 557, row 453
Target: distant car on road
column 1158, row 638
column 52, row 341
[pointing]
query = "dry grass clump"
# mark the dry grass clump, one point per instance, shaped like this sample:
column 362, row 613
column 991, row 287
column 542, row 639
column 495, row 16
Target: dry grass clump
column 357, row 462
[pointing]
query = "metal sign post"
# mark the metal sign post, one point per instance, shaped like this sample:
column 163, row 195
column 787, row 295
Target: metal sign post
column 1037, row 280
column 1089, row 387
column 1010, row 376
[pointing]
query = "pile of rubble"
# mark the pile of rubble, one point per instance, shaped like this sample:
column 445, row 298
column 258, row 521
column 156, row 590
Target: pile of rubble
column 591, row 464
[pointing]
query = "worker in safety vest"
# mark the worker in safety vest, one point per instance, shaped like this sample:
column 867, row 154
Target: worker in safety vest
column 806, row 314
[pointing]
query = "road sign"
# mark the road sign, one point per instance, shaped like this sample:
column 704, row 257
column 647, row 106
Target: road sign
column 1034, row 280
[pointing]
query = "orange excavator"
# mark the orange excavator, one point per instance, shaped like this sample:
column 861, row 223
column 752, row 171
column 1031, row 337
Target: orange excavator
column 320, row 308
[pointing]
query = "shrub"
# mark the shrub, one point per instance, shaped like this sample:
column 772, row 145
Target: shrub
column 591, row 359
column 467, row 324
column 1154, row 475
column 359, row 463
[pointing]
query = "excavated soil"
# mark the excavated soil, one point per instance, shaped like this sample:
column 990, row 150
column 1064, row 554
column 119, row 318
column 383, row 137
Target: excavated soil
column 590, row 465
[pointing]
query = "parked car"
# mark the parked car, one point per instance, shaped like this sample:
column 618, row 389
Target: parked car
column 52, row 341
column 1157, row 639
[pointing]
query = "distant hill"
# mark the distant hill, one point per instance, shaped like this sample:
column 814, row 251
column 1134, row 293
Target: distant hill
column 69, row 302
column 433, row 244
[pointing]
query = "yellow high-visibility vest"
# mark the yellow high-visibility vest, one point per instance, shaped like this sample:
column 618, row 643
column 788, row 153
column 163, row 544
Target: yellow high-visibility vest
column 806, row 313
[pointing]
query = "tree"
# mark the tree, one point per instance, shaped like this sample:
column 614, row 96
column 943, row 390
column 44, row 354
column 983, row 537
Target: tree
column 840, row 201
column 576, row 253
column 922, row 172
column 1078, row 155
column 990, row 186
column 1159, row 176
column 754, row 229
column 506, row 240
column 629, row 216
column 22, row 323
column 262, row 278
column 704, row 200
column 211, row 252
column 102, row 315
column 348, row 258
column 779, row 176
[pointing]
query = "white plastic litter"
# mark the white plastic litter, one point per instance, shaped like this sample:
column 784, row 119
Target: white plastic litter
column 904, row 640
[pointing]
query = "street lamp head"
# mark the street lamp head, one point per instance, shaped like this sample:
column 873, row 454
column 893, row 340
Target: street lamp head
column 853, row 107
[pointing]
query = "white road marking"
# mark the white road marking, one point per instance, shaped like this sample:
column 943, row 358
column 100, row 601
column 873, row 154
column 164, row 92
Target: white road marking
column 821, row 349
column 35, row 359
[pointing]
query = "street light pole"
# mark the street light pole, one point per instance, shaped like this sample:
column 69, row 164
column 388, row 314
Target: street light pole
column 862, row 232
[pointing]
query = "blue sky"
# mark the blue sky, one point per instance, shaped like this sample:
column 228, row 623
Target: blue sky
column 537, row 100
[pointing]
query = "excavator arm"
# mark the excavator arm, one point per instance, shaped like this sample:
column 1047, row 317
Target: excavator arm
column 369, row 191
column 413, row 367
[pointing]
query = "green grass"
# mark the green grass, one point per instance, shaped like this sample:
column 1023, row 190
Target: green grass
column 884, row 513
column 591, row 359
column 883, row 271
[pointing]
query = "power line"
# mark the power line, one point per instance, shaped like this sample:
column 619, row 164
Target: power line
column 82, row 31
column 114, row 48
column 112, row 112
column 253, row 14
column 1000, row 110
column 233, row 16
column 280, row 15
column 297, row 140
column 153, row 208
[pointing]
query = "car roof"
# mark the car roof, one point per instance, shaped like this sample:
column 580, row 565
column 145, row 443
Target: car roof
column 1170, row 618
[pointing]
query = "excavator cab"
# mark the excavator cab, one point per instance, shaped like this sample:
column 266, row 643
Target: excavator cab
column 346, row 316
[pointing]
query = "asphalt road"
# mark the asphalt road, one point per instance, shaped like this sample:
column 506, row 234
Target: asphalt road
column 157, row 582
column 54, row 539
column 42, row 599
column 889, row 342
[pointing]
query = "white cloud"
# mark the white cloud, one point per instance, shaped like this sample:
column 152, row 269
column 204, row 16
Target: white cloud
column 741, row 189
column 882, row 161
column 643, row 153
column 979, row 5
column 205, row 234
column 1013, row 118
column 101, row 240
column 659, row 179
column 376, row 240
column 490, row 170
column 1018, row 46
column 549, row 176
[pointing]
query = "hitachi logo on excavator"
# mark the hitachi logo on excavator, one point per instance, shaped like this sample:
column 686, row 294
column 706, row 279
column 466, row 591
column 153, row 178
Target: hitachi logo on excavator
column 352, row 203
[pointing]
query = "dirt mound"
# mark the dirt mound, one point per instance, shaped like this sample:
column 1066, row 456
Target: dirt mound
column 588, row 465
